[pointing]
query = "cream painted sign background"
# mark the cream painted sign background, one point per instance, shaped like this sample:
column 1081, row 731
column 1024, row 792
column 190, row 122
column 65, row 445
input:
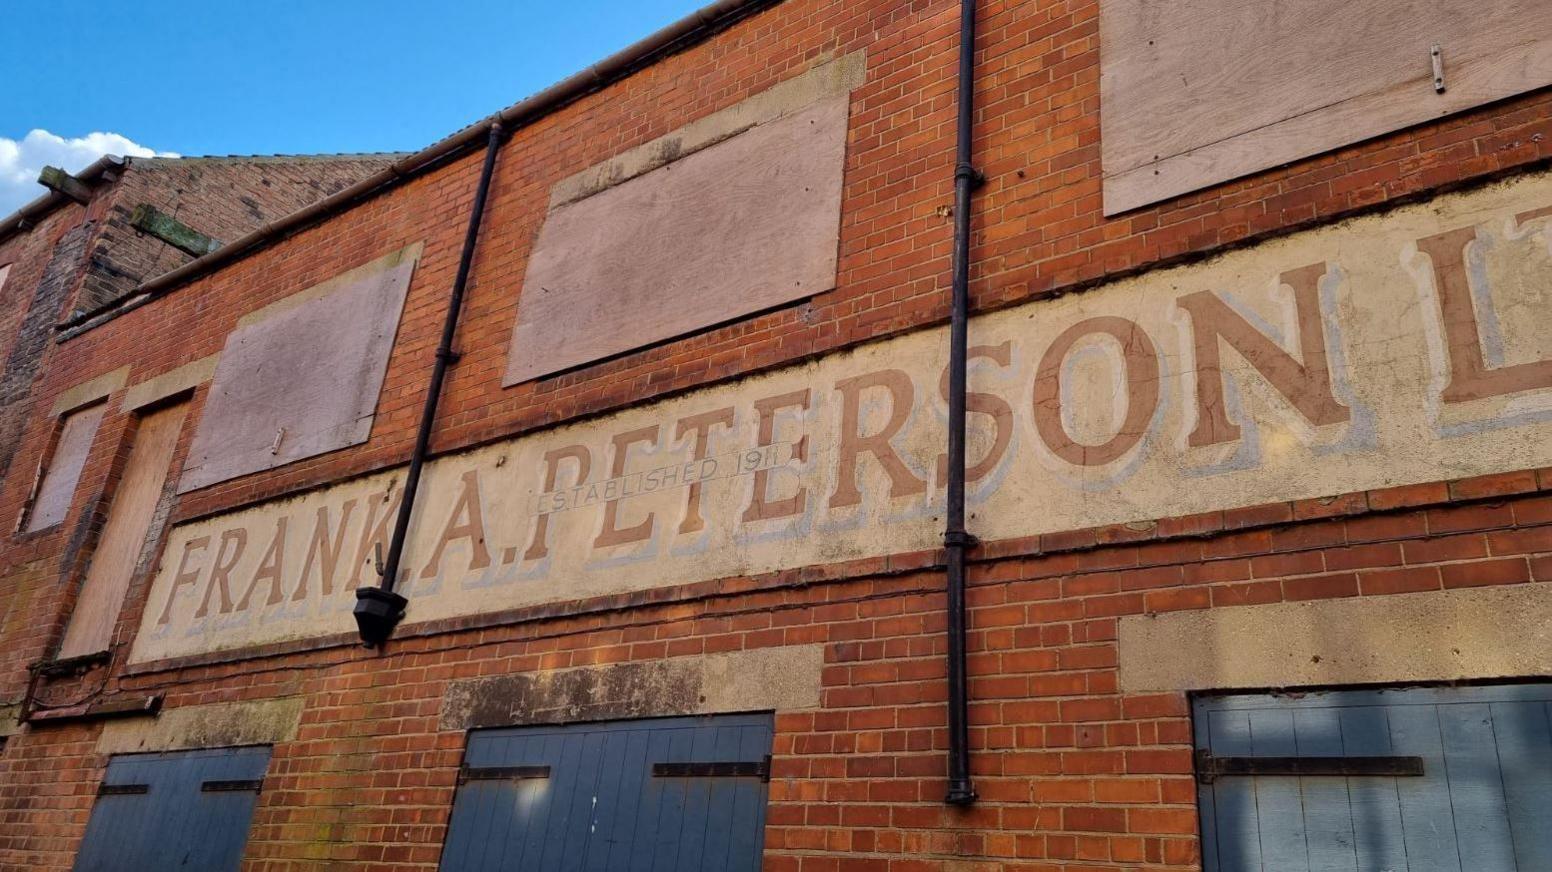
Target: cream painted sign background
column 1399, row 348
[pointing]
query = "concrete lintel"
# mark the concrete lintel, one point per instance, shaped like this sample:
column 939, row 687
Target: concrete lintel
column 150, row 220
column 90, row 391
column 219, row 725
column 766, row 679
column 165, row 385
column 1455, row 635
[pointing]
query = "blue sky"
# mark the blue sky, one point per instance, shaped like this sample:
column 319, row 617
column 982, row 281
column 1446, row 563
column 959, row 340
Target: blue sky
column 281, row 76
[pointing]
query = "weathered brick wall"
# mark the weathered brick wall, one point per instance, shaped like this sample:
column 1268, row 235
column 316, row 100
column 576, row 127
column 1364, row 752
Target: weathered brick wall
column 1073, row 774
column 84, row 257
column 223, row 198
column 28, row 254
column 46, row 264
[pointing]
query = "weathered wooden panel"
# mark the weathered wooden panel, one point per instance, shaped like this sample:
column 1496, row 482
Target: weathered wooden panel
column 586, row 796
column 1413, row 346
column 52, row 502
column 1196, row 92
column 302, row 378
column 1478, row 806
column 738, row 227
column 124, row 535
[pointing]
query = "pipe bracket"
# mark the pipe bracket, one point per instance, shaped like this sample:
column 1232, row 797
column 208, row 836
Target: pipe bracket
column 966, row 171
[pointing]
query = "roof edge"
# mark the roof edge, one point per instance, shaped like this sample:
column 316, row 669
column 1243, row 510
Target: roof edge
column 30, row 214
column 682, row 34
column 320, row 157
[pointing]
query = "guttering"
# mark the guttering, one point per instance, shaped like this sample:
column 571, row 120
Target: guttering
column 379, row 609
column 956, row 540
column 674, row 38
column 29, row 215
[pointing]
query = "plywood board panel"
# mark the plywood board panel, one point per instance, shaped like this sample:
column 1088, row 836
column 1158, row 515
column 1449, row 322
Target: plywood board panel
column 123, row 536
column 52, row 502
column 1197, row 92
column 738, row 227
column 301, row 381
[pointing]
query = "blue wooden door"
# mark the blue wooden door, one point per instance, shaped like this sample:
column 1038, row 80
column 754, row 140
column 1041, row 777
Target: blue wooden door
column 632, row 796
column 1475, row 796
column 187, row 810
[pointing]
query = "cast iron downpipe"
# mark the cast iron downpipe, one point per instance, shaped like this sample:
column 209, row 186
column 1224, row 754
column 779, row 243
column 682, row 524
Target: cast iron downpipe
column 379, row 609
column 961, row 791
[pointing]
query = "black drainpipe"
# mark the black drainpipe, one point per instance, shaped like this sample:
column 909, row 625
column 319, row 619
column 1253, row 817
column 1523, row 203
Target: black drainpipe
column 961, row 791
column 379, row 609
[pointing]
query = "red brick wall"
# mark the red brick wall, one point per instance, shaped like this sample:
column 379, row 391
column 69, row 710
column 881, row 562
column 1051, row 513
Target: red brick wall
column 1073, row 774
column 224, row 198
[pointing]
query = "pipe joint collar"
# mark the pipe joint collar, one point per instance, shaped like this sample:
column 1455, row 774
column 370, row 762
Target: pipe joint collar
column 959, row 539
column 961, row 793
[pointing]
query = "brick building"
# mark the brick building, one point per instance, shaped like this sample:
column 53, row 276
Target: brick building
column 1258, row 397
column 91, row 240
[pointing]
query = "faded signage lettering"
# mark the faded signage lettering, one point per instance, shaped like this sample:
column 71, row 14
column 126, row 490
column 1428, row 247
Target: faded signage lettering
column 1386, row 350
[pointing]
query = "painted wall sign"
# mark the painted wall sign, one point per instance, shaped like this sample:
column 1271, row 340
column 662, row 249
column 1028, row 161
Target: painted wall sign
column 1392, row 349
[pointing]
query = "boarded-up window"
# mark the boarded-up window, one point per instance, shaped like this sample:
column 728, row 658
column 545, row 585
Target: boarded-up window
column 187, row 810
column 744, row 225
column 671, row 793
column 302, row 378
column 1197, row 92
column 123, row 537
column 62, row 471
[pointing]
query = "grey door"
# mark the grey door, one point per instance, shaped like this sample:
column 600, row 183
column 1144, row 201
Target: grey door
column 1405, row 780
column 186, row 810
column 631, row 796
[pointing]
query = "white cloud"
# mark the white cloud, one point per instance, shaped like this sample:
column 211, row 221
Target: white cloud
column 21, row 160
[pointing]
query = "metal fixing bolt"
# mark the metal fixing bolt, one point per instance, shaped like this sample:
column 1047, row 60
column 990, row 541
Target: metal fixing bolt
column 1437, row 54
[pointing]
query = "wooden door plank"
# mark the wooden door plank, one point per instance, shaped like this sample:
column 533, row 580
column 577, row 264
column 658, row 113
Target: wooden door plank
column 655, row 806
column 568, row 850
column 1328, row 814
column 1426, row 817
column 1524, row 735
column 1279, row 800
column 1476, row 788
column 553, row 748
column 673, row 802
column 1375, row 807
column 624, row 809
column 1238, row 844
